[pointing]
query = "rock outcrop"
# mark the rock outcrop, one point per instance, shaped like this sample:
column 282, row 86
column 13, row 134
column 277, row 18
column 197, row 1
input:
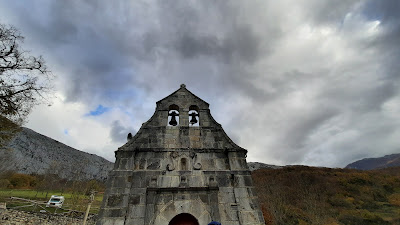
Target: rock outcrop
column 257, row 165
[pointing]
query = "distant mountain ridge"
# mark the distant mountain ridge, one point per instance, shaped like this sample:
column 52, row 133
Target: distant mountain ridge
column 376, row 163
column 257, row 165
column 30, row 152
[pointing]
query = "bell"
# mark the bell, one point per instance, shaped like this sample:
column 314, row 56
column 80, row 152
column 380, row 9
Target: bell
column 173, row 122
column 193, row 120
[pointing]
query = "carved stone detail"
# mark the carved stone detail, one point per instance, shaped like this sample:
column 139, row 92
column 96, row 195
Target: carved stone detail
column 173, row 158
column 171, row 165
column 196, row 163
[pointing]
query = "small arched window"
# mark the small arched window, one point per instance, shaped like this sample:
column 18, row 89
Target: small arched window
column 184, row 164
column 194, row 116
column 173, row 115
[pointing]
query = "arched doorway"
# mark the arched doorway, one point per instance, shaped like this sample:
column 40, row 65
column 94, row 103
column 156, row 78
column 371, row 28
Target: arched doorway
column 184, row 219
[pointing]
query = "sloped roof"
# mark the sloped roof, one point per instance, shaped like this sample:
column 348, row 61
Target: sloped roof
column 183, row 88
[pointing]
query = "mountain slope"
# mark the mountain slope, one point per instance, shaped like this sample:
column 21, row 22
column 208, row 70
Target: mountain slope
column 376, row 163
column 30, row 152
column 312, row 195
column 257, row 165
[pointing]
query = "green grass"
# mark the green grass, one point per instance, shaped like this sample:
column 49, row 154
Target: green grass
column 72, row 201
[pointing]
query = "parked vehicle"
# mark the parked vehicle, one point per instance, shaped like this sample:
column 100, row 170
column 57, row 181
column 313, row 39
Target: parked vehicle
column 55, row 201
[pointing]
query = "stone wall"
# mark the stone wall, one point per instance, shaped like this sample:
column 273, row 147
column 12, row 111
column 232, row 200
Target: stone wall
column 16, row 217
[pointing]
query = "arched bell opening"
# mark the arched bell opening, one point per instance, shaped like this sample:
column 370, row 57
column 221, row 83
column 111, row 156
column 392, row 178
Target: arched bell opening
column 184, row 219
column 194, row 116
column 173, row 115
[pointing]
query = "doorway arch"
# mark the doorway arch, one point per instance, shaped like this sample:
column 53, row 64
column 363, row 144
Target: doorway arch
column 184, row 219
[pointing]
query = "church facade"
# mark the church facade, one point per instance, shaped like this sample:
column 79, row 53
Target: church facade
column 180, row 168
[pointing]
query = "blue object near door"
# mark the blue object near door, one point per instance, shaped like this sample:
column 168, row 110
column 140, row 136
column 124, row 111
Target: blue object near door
column 214, row 223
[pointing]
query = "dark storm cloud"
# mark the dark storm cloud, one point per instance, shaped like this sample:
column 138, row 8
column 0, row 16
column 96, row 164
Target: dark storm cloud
column 119, row 133
column 242, row 44
column 385, row 11
column 291, row 81
column 100, row 48
column 74, row 35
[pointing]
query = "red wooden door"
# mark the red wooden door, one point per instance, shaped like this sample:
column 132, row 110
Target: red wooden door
column 184, row 219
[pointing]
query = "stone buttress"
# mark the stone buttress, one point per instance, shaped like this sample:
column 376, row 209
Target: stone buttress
column 180, row 165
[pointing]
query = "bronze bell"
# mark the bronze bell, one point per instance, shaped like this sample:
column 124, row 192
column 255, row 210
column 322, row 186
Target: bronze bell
column 193, row 120
column 173, row 122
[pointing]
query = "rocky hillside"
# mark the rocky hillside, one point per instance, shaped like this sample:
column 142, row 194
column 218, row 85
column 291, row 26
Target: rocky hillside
column 257, row 165
column 30, row 152
column 376, row 163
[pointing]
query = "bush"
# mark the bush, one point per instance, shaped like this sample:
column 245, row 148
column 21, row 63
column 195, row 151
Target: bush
column 18, row 180
column 361, row 217
column 394, row 199
column 340, row 201
column 4, row 183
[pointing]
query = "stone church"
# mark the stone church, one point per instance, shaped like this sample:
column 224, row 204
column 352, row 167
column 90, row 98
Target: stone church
column 180, row 168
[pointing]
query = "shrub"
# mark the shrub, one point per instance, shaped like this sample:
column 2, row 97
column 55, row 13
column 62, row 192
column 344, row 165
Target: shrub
column 394, row 199
column 18, row 180
column 361, row 217
column 340, row 201
column 4, row 183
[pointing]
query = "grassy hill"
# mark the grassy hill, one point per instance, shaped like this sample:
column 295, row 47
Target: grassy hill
column 310, row 195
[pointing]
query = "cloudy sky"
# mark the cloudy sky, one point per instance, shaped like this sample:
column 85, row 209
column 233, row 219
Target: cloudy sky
column 294, row 82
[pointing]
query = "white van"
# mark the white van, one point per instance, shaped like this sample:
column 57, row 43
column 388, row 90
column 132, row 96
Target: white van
column 55, row 201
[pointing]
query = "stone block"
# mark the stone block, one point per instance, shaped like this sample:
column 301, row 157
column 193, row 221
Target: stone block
column 135, row 221
column 134, row 199
column 248, row 182
column 226, row 197
column 239, row 181
column 165, row 181
column 149, row 213
column 227, row 213
column 208, row 164
column 220, row 164
column 175, row 181
column 193, row 131
column 241, row 193
column 223, row 180
column 120, row 182
column 195, row 181
column 163, row 199
column 138, row 191
column 245, row 204
column 113, row 213
column 249, row 216
column 138, row 211
column 113, row 221
column 114, row 200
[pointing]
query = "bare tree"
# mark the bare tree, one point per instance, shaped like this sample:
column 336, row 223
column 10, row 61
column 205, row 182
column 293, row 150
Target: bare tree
column 7, row 132
column 24, row 79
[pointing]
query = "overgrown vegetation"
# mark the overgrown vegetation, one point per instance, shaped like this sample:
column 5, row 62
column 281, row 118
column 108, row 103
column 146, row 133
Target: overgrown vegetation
column 309, row 195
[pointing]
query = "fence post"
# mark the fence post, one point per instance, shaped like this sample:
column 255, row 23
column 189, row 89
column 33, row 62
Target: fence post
column 88, row 207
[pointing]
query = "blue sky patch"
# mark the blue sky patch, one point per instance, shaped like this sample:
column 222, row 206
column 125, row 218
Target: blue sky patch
column 98, row 111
